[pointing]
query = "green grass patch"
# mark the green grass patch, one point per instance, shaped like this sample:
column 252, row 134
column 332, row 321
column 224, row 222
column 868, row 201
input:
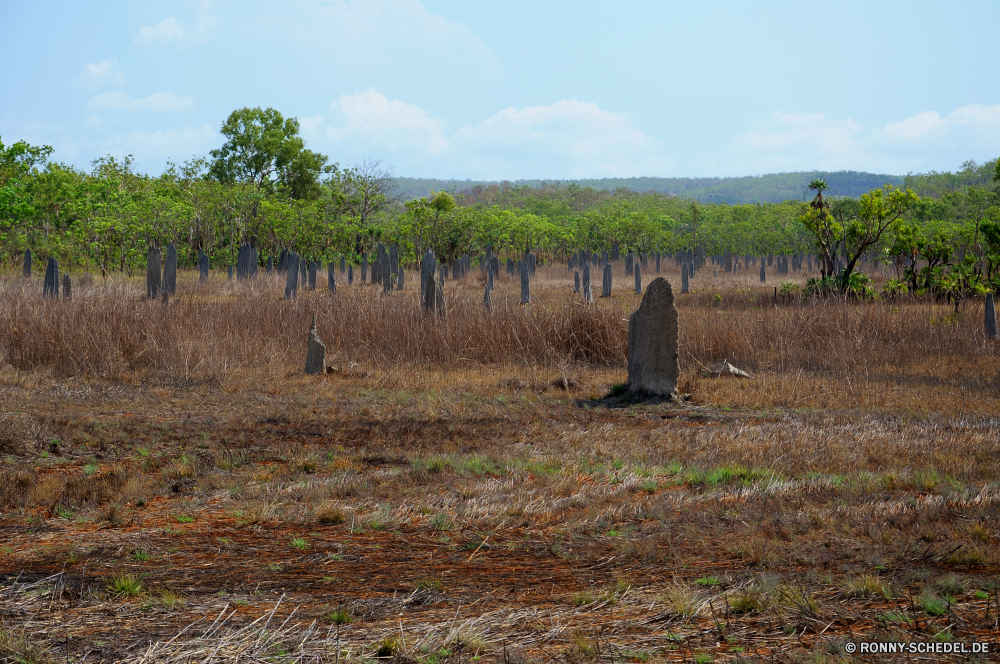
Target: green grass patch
column 441, row 522
column 338, row 617
column 933, row 605
column 127, row 585
column 430, row 583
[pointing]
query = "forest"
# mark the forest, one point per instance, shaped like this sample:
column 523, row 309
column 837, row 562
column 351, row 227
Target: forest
column 263, row 186
column 771, row 188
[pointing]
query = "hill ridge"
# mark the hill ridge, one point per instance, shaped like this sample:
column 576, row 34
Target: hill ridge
column 768, row 188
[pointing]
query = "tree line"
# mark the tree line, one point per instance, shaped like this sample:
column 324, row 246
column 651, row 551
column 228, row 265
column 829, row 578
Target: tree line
column 940, row 232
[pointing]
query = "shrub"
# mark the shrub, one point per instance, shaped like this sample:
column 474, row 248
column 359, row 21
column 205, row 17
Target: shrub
column 338, row 617
column 127, row 585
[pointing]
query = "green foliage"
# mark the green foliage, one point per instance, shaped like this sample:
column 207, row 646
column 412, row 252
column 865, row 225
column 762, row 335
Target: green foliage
column 771, row 188
column 617, row 390
column 388, row 647
column 893, row 288
column 441, row 522
column 264, row 149
column 126, row 585
column 430, row 583
column 933, row 605
column 263, row 186
column 859, row 285
column 19, row 649
column 818, row 185
column 936, row 184
column 821, row 286
column 338, row 617
column 709, row 581
column 789, row 289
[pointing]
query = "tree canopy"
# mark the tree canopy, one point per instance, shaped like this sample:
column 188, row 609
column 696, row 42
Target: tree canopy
column 262, row 185
column 264, row 149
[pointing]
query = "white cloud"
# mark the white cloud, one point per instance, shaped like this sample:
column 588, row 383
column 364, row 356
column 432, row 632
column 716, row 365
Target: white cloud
column 176, row 143
column 915, row 127
column 105, row 72
column 565, row 139
column 806, row 141
column 158, row 101
column 975, row 122
column 373, row 37
column 310, row 125
column 394, row 125
column 170, row 29
column 790, row 141
column 590, row 139
column 164, row 32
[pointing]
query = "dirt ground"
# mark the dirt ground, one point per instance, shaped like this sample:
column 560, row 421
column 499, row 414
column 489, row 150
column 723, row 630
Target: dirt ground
column 500, row 512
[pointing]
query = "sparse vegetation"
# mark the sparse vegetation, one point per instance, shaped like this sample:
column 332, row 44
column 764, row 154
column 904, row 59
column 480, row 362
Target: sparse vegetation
column 338, row 617
column 430, row 583
column 126, row 585
column 440, row 465
column 18, row 648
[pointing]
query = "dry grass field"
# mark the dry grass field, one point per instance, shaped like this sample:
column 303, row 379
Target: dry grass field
column 173, row 488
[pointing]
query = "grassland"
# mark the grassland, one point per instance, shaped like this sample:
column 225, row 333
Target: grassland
column 173, row 488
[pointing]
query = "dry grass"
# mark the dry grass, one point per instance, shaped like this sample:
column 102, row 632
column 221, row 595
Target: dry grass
column 464, row 490
column 223, row 331
column 909, row 355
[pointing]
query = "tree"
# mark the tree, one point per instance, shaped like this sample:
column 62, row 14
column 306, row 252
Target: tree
column 366, row 190
column 18, row 164
column 442, row 202
column 300, row 180
column 264, row 149
column 878, row 210
column 820, row 222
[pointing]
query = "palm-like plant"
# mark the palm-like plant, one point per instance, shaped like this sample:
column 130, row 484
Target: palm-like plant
column 819, row 186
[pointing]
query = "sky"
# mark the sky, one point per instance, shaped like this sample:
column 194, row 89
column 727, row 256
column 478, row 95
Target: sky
column 515, row 89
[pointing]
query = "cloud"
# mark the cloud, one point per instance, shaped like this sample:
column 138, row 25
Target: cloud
column 564, row 139
column 394, row 125
column 105, row 72
column 790, row 141
column 806, row 141
column 586, row 137
column 975, row 122
column 169, row 29
column 169, row 143
column 310, row 125
column 369, row 38
column 158, row 101
column 164, row 32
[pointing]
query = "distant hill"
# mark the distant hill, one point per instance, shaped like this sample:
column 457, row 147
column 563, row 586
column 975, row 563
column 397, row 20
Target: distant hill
column 772, row 188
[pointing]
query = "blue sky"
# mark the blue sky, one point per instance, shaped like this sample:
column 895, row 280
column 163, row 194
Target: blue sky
column 515, row 89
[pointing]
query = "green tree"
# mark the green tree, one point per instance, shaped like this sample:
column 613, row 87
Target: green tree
column 264, row 149
column 877, row 212
column 18, row 163
column 819, row 221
